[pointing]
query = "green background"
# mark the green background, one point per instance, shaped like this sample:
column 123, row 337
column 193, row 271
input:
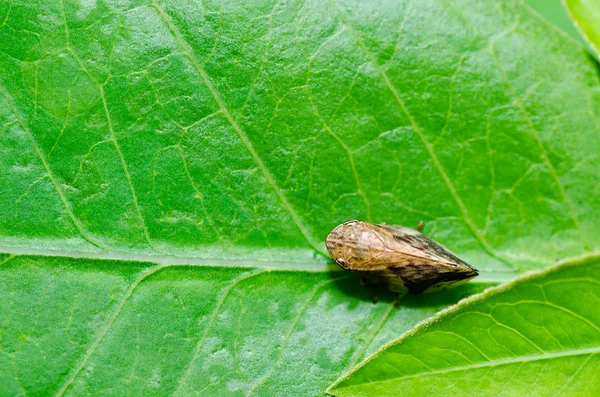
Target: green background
column 169, row 172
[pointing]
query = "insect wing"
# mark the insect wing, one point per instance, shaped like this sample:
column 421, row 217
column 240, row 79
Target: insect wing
column 413, row 244
column 401, row 257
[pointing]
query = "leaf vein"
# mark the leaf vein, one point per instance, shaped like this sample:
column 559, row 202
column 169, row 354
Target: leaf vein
column 289, row 335
column 568, row 382
column 327, row 128
column 8, row 259
column 107, row 325
column 466, row 217
column 61, row 195
column 557, row 307
column 241, row 134
column 213, row 316
column 492, row 363
column 377, row 329
column 125, row 170
column 535, row 132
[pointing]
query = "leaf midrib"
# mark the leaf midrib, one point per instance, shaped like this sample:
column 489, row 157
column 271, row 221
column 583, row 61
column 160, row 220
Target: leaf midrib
column 149, row 271
column 241, row 134
column 574, row 261
column 272, row 264
column 186, row 48
column 428, row 147
column 151, row 260
column 491, row 363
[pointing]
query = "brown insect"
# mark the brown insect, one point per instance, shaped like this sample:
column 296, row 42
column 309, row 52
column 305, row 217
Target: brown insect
column 401, row 258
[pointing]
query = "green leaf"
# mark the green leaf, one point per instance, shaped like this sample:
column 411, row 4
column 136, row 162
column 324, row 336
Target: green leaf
column 250, row 131
column 538, row 335
column 554, row 11
column 211, row 147
column 75, row 326
column 586, row 16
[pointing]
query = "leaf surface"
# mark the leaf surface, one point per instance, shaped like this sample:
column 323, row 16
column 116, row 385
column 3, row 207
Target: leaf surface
column 174, row 129
column 554, row 11
column 586, row 16
column 211, row 147
column 73, row 326
column 538, row 336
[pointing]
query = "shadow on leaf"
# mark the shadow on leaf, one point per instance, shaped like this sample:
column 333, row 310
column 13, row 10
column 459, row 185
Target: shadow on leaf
column 349, row 284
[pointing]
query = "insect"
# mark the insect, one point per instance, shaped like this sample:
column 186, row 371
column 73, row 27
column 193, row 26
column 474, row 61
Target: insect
column 401, row 258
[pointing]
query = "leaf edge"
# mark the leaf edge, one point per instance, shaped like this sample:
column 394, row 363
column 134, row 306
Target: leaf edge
column 584, row 259
column 595, row 50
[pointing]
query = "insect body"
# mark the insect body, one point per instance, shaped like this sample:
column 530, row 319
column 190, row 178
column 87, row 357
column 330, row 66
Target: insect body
column 402, row 258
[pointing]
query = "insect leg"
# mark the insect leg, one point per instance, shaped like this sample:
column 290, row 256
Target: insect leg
column 374, row 299
column 420, row 226
column 397, row 301
column 365, row 284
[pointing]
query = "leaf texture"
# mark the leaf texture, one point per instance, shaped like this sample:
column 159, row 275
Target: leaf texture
column 227, row 130
column 79, row 326
column 211, row 146
column 586, row 16
column 536, row 336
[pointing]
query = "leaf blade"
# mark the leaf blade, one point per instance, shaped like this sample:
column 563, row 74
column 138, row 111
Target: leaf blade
column 239, row 136
column 178, row 110
column 586, row 16
column 537, row 334
column 117, row 327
